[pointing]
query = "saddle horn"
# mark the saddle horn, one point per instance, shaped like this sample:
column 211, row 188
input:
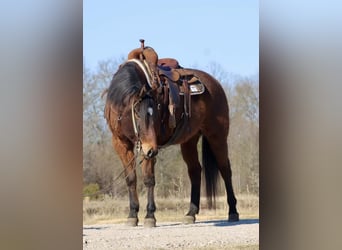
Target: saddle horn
column 142, row 44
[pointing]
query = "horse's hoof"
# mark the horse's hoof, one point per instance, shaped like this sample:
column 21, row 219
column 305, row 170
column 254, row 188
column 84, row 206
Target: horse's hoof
column 150, row 222
column 189, row 219
column 132, row 222
column 233, row 217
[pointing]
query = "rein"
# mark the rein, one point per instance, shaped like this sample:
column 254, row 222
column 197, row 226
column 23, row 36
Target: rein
column 102, row 191
column 136, row 132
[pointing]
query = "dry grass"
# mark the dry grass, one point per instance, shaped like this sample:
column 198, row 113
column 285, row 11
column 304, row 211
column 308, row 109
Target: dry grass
column 242, row 247
column 112, row 210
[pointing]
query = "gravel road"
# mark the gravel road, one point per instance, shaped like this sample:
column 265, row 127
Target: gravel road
column 216, row 234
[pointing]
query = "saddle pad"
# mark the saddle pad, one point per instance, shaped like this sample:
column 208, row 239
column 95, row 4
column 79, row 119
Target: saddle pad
column 196, row 88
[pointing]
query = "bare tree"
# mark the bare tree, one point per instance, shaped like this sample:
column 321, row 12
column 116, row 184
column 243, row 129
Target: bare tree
column 244, row 135
column 99, row 159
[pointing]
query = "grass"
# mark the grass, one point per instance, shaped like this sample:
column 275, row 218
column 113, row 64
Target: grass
column 172, row 209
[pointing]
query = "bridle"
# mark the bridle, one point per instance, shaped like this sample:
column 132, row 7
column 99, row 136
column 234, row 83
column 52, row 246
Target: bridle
column 180, row 128
column 145, row 93
column 138, row 143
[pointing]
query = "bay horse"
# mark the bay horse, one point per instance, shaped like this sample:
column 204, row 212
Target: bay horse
column 138, row 116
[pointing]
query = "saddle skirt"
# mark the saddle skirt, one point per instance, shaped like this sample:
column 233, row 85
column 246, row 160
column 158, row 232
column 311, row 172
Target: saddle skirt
column 195, row 87
column 169, row 68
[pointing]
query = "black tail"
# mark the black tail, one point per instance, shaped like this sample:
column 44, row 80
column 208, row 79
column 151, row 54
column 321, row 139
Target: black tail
column 210, row 172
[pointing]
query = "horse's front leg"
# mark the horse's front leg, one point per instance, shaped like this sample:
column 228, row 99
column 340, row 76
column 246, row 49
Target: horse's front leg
column 131, row 181
column 126, row 153
column 149, row 181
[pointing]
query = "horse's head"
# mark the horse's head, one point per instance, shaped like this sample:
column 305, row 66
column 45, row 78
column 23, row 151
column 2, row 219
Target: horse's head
column 146, row 122
column 132, row 90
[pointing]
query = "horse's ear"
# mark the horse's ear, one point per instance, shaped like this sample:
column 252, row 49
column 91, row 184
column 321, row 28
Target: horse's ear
column 104, row 93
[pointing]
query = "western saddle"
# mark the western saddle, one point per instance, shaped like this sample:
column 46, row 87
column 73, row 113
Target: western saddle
column 175, row 80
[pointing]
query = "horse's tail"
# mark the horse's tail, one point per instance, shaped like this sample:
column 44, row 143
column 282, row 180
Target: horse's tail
column 210, row 172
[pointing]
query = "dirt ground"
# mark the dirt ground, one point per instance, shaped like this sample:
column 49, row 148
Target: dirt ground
column 214, row 234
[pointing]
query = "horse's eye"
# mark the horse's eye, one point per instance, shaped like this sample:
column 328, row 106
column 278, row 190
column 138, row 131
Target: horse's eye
column 150, row 111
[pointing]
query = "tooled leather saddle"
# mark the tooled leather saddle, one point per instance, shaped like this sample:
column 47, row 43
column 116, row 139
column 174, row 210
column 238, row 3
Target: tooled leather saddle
column 167, row 72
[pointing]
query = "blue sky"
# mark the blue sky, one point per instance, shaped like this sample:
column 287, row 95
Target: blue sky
column 196, row 33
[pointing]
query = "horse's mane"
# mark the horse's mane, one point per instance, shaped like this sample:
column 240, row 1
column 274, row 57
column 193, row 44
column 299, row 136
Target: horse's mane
column 125, row 84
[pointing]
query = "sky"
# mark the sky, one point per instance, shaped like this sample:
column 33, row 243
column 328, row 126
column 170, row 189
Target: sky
column 195, row 32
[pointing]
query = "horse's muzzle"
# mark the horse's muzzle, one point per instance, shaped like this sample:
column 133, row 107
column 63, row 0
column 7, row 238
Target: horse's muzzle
column 149, row 151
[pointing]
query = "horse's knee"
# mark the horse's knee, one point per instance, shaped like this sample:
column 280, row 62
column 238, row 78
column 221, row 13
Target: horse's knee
column 131, row 180
column 149, row 181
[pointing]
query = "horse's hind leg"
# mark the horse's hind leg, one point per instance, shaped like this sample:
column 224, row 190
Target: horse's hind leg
column 218, row 147
column 190, row 156
column 126, row 153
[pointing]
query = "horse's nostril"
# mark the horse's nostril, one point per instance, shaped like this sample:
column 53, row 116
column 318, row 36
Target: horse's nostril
column 151, row 153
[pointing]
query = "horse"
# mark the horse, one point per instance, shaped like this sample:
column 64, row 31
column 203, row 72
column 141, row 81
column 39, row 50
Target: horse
column 138, row 115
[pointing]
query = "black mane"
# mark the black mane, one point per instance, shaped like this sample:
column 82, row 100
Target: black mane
column 126, row 83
